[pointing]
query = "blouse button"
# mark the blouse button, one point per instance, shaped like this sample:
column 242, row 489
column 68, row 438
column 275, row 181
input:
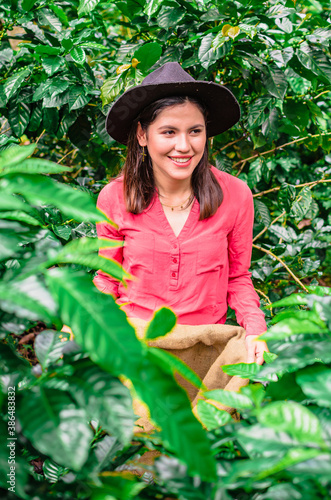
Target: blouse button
column 174, row 261
column 173, row 275
column 175, row 246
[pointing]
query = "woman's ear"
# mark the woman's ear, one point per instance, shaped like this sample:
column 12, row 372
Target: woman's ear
column 141, row 135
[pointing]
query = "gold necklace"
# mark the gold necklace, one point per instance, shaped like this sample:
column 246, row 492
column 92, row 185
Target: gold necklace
column 181, row 205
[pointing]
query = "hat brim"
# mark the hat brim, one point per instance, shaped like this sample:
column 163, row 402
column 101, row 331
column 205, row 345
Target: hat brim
column 223, row 108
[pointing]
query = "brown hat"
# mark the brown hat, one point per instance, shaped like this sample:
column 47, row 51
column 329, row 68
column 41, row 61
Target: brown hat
column 171, row 80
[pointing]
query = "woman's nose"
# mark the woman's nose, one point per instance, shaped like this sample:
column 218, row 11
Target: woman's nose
column 182, row 143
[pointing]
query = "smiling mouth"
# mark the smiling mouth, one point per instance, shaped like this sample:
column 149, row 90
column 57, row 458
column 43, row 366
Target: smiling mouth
column 181, row 159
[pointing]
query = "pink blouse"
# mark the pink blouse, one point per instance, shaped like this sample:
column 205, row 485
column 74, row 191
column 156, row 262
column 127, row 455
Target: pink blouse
column 197, row 274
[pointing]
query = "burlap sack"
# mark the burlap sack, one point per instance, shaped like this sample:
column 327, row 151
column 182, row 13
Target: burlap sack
column 204, row 348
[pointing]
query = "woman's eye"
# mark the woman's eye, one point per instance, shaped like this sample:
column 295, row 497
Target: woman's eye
column 196, row 130
column 169, row 132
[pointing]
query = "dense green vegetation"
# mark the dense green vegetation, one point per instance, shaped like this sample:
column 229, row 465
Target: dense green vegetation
column 62, row 63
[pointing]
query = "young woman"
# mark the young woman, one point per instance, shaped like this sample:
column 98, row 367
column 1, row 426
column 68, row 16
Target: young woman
column 187, row 227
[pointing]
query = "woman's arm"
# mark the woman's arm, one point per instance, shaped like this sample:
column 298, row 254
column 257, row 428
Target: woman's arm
column 104, row 282
column 241, row 295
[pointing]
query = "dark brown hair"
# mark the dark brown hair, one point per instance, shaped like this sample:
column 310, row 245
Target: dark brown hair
column 139, row 185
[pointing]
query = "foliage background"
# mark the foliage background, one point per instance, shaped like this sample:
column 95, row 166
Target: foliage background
column 62, row 63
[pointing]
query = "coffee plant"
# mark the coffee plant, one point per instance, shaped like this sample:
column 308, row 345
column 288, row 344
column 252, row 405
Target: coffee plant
column 62, row 64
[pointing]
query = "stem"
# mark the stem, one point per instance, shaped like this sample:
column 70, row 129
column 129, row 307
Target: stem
column 280, row 147
column 63, row 157
column 7, row 130
column 38, row 138
column 267, row 227
column 325, row 92
column 312, row 184
column 4, row 123
column 265, row 296
column 229, row 144
column 241, row 169
column 283, row 264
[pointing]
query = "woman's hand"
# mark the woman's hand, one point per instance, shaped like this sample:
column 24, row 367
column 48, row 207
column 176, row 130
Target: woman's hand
column 255, row 349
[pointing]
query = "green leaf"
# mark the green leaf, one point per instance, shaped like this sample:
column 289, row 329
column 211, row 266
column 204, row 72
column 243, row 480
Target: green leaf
column 28, row 4
column 262, row 212
column 152, row 7
column 41, row 91
column 87, row 245
column 51, row 119
column 96, row 262
column 52, row 471
column 63, row 231
column 258, row 441
column 315, row 382
column 170, row 408
column 12, row 362
column 207, row 55
column 296, row 299
column 162, row 323
column 78, row 55
column 9, row 245
column 284, row 24
column 319, row 290
column 269, row 357
column 315, row 61
column 256, row 111
column 47, row 18
column 230, row 398
column 111, row 88
column 59, row 12
column 93, row 46
column 210, row 416
column 282, row 57
column 48, row 50
column 15, row 155
column 243, row 370
column 275, row 82
column 42, row 190
column 293, row 418
column 170, row 16
column 18, row 117
column 28, row 298
column 77, row 98
column 99, row 327
column 34, row 166
column 255, row 172
column 55, row 426
column 147, row 55
column 173, row 364
column 279, row 11
column 11, row 202
column 302, row 203
column 291, row 326
column 13, row 83
column 20, row 216
column 116, row 486
column 49, row 346
column 302, row 353
column 36, row 117
column 104, row 399
column 86, row 6
column 297, row 112
column 52, row 64
column 286, row 195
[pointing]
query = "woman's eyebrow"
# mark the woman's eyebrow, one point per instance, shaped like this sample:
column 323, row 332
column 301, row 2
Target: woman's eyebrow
column 175, row 128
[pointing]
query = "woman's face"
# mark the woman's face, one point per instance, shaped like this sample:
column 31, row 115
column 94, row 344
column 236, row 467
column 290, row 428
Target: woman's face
column 175, row 141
